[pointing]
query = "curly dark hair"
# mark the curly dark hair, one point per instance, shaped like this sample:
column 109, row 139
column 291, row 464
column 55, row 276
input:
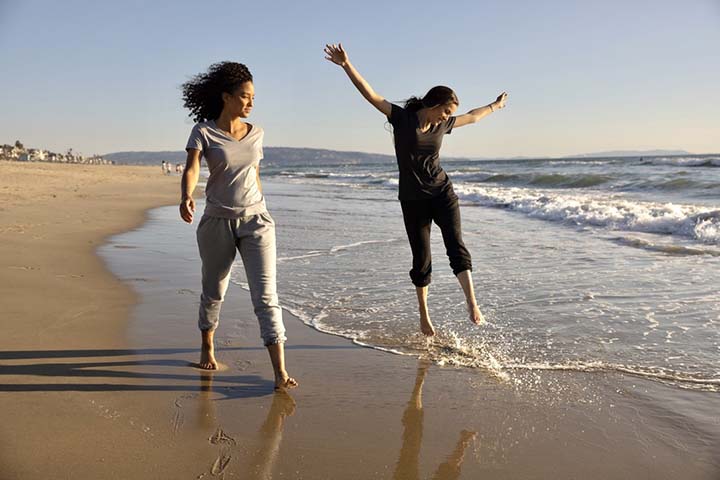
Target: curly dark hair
column 202, row 94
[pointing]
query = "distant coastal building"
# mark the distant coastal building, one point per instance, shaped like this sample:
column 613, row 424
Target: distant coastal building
column 10, row 152
column 19, row 153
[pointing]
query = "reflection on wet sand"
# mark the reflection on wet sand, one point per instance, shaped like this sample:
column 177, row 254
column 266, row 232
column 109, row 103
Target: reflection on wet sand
column 206, row 408
column 207, row 421
column 407, row 467
column 261, row 458
column 261, row 461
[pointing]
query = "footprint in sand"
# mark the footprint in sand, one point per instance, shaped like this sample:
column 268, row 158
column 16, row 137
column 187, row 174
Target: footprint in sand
column 220, row 464
column 186, row 291
column 221, row 438
column 243, row 365
column 178, row 419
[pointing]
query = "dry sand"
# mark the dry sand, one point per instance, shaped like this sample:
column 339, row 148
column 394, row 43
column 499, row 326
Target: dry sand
column 56, row 291
column 76, row 402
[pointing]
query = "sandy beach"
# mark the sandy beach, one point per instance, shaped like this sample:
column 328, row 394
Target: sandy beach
column 97, row 378
column 58, row 297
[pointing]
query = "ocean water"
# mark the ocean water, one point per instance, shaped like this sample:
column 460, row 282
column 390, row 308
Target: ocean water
column 609, row 265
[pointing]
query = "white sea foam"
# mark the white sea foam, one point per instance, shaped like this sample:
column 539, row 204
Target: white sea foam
column 340, row 248
column 682, row 380
column 684, row 161
column 668, row 249
column 611, row 212
column 333, row 250
column 583, row 163
column 454, row 350
column 314, row 253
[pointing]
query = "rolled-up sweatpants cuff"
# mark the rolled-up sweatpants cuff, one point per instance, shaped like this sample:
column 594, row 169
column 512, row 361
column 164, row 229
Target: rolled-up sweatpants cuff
column 420, row 279
column 209, row 313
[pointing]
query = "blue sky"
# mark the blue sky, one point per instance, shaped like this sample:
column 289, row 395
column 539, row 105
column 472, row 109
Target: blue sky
column 581, row 76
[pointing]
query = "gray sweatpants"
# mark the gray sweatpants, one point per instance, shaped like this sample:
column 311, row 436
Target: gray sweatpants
column 254, row 236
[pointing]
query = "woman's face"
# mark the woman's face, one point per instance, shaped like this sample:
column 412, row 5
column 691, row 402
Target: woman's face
column 241, row 101
column 441, row 113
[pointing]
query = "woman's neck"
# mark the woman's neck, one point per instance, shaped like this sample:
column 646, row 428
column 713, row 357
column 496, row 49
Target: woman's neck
column 423, row 122
column 230, row 124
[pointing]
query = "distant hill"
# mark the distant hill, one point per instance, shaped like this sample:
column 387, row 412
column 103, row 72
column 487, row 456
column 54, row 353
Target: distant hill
column 631, row 153
column 288, row 156
column 273, row 155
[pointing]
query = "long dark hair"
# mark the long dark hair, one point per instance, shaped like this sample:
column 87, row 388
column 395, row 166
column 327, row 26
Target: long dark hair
column 202, row 94
column 438, row 95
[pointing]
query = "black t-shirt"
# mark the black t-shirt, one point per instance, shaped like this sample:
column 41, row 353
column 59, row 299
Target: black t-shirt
column 421, row 176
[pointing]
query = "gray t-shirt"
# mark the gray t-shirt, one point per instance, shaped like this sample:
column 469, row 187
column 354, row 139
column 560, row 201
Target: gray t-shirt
column 232, row 190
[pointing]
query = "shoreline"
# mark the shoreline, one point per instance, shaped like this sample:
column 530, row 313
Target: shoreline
column 130, row 403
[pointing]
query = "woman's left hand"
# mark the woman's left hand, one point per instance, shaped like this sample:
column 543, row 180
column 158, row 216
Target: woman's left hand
column 500, row 101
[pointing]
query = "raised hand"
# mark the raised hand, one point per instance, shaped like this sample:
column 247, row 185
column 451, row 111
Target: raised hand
column 500, row 101
column 336, row 54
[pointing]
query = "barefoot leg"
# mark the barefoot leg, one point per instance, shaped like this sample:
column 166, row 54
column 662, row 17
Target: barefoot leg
column 426, row 326
column 207, row 350
column 277, row 357
column 465, row 279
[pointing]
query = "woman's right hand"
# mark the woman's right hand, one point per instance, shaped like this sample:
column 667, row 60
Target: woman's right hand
column 187, row 208
column 336, row 54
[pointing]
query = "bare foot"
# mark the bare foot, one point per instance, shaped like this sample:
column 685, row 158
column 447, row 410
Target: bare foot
column 476, row 315
column 284, row 382
column 426, row 326
column 207, row 351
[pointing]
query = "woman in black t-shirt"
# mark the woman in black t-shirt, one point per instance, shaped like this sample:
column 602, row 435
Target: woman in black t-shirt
column 425, row 191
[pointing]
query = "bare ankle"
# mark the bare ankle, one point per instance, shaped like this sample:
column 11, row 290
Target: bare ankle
column 207, row 337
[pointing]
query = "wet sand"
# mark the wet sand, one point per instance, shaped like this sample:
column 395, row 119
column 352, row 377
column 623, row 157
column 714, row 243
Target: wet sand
column 99, row 388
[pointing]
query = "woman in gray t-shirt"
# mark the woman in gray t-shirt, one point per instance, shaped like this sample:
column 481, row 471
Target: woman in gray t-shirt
column 235, row 217
column 425, row 191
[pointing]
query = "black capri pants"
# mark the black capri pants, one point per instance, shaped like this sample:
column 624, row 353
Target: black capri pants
column 418, row 216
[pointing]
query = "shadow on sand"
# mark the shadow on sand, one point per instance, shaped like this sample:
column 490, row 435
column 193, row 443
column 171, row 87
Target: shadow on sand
column 69, row 370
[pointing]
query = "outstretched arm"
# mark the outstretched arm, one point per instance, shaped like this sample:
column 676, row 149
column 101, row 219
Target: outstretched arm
column 337, row 55
column 476, row 114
